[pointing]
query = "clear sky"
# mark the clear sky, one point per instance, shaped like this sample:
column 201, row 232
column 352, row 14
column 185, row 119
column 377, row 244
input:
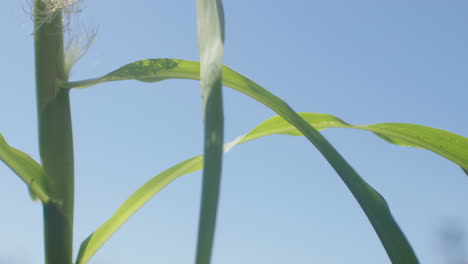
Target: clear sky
column 363, row 61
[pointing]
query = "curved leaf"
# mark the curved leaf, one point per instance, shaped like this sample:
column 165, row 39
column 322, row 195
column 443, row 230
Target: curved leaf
column 154, row 70
column 372, row 203
column 446, row 144
column 27, row 169
column 91, row 245
column 275, row 125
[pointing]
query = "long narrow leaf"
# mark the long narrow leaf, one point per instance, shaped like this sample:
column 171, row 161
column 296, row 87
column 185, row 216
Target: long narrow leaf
column 27, row 169
column 372, row 203
column 421, row 137
column 211, row 45
column 161, row 69
column 91, row 245
column 446, row 144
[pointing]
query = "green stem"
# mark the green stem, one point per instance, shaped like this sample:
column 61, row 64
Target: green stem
column 55, row 135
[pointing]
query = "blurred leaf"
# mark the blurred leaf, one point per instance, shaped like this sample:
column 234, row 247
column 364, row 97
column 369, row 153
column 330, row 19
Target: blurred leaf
column 211, row 46
column 27, row 169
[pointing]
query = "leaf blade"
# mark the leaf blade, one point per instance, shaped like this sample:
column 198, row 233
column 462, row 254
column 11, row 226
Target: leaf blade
column 372, row 203
column 94, row 242
column 29, row 171
column 272, row 126
column 161, row 69
column 443, row 143
column 210, row 18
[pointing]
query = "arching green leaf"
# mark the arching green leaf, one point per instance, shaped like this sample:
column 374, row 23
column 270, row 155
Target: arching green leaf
column 397, row 133
column 372, row 203
column 154, row 70
column 446, row 144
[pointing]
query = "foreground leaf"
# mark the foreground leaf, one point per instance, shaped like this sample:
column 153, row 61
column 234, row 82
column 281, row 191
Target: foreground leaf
column 372, row 203
column 27, row 169
column 211, row 46
column 272, row 126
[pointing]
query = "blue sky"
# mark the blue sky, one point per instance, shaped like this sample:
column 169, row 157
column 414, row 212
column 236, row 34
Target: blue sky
column 363, row 61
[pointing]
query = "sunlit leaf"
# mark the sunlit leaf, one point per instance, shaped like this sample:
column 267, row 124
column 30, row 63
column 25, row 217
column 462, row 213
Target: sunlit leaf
column 446, row 144
column 372, row 203
column 154, row 70
column 89, row 247
column 276, row 125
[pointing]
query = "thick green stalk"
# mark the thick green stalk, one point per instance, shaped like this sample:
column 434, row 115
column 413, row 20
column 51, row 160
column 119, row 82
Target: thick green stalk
column 55, row 135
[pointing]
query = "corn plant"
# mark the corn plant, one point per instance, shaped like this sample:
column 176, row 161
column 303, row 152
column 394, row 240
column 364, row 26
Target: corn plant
column 51, row 181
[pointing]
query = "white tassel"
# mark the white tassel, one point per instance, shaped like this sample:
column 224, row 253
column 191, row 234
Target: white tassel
column 52, row 7
column 77, row 45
